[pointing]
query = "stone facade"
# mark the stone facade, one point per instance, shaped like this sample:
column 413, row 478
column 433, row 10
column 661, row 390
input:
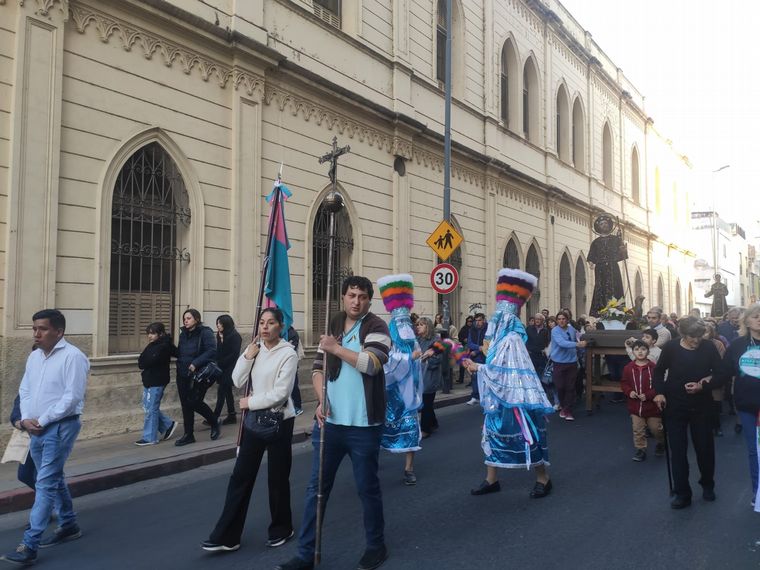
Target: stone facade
column 231, row 89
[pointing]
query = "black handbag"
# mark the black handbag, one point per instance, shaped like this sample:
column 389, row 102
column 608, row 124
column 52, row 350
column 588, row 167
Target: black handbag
column 205, row 376
column 263, row 424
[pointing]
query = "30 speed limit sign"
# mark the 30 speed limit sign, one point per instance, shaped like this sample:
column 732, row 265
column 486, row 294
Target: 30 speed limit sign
column 444, row 278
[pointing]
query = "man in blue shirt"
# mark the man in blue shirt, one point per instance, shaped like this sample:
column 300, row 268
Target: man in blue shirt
column 354, row 352
column 51, row 400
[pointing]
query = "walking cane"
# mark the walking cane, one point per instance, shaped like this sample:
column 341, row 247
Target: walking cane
column 333, row 203
column 667, row 456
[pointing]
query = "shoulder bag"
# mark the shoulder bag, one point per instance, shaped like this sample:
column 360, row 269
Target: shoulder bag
column 207, row 374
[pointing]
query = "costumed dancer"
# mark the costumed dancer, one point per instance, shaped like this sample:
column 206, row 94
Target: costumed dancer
column 403, row 376
column 513, row 400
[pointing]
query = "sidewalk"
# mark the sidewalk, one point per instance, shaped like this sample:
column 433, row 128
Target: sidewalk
column 114, row 461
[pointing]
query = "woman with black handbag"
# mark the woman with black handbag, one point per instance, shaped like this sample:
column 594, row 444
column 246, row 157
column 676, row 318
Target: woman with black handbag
column 228, row 343
column 270, row 364
column 195, row 351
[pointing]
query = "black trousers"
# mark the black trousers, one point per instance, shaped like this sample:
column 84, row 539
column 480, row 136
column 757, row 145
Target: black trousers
column 678, row 425
column 191, row 398
column 224, row 395
column 428, row 421
column 229, row 528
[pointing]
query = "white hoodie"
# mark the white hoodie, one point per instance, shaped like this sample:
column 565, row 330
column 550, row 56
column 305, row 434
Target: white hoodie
column 273, row 376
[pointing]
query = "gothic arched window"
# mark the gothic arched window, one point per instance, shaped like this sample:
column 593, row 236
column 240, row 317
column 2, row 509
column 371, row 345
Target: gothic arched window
column 511, row 255
column 580, row 287
column 533, row 266
column 565, row 282
column 150, row 205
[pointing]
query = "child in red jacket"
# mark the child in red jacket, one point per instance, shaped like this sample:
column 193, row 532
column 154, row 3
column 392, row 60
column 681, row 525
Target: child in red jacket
column 638, row 385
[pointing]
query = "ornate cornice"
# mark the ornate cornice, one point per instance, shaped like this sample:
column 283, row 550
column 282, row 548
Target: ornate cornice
column 44, row 7
column 150, row 44
column 518, row 195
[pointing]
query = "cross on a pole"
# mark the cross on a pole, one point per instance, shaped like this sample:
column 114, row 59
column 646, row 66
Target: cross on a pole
column 332, row 156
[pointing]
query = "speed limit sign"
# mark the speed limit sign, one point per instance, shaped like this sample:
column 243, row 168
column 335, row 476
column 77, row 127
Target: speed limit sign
column 444, row 278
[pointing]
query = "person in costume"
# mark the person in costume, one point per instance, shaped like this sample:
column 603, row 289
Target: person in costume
column 513, row 400
column 403, row 376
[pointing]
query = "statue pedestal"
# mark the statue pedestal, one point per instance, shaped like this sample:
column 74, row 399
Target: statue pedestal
column 613, row 325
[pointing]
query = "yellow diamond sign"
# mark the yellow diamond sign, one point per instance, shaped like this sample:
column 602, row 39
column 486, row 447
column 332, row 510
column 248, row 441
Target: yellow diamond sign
column 444, row 240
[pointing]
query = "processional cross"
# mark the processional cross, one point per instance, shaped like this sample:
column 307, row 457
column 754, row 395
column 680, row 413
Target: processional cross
column 332, row 156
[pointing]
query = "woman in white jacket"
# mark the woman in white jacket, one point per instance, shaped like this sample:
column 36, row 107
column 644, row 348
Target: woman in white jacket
column 271, row 363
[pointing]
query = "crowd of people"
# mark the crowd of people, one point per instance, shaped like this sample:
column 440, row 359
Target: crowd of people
column 379, row 382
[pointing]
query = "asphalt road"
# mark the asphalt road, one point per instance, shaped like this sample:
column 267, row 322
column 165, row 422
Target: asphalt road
column 605, row 512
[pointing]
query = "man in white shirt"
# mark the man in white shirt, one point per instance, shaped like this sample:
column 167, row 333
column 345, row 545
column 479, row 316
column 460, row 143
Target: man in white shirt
column 52, row 397
column 653, row 319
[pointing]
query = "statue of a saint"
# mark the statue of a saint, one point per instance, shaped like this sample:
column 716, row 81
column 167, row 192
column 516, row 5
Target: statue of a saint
column 603, row 256
column 718, row 291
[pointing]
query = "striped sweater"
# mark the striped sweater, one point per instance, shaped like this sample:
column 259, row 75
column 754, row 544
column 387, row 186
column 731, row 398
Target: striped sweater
column 376, row 343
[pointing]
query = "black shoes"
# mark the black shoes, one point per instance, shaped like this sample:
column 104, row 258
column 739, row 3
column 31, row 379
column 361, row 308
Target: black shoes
column 211, row 546
column 485, row 488
column 541, row 490
column 640, row 455
column 373, row 558
column 679, row 502
column 275, row 542
column 216, row 431
column 170, row 432
column 296, row 563
column 62, row 534
column 22, row 556
column 708, row 494
column 659, row 450
column 185, row 440
column 410, row 478
column 229, row 420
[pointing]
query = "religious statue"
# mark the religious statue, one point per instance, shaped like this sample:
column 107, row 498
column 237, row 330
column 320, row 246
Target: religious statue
column 718, row 291
column 603, row 257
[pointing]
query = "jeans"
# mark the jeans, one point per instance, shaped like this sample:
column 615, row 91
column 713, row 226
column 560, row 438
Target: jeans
column 749, row 429
column 474, row 392
column 362, row 445
column 229, row 528
column 50, row 451
column 155, row 420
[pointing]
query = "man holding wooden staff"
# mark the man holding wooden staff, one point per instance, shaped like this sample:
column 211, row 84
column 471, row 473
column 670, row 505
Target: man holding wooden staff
column 352, row 416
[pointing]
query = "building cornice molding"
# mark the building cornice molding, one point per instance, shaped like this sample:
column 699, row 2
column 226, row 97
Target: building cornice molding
column 44, row 7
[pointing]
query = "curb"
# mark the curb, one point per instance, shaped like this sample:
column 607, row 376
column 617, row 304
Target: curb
column 23, row 498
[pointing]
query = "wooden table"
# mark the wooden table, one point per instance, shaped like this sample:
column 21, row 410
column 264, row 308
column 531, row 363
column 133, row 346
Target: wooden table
column 600, row 385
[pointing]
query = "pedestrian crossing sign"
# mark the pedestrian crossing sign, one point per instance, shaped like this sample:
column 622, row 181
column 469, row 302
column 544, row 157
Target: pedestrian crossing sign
column 444, row 240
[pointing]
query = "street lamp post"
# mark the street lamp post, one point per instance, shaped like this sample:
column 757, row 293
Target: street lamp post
column 715, row 229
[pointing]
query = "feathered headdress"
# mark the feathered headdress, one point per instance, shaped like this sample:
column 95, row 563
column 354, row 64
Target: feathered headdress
column 515, row 287
column 397, row 292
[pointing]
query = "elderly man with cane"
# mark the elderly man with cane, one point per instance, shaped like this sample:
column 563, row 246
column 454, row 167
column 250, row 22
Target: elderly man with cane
column 352, row 418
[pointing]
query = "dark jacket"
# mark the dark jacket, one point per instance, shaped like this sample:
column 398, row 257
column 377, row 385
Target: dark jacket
column 684, row 366
column 374, row 337
column 475, row 341
column 746, row 388
column 431, row 368
column 16, row 411
column 154, row 362
column 227, row 354
column 464, row 333
column 538, row 340
column 196, row 347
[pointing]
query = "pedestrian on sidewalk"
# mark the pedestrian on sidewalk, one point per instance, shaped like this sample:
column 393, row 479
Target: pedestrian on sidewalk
column 431, row 374
column 564, row 357
column 154, row 366
column 353, row 416
column 52, row 396
column 513, row 401
column 196, row 348
column 477, row 353
column 463, row 335
column 271, row 364
column 403, row 374
column 228, row 343
column 637, row 385
column 691, row 364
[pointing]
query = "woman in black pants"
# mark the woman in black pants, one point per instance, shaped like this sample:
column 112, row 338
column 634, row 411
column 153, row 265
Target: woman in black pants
column 271, row 366
column 196, row 348
column 431, row 375
column 228, row 343
column 692, row 364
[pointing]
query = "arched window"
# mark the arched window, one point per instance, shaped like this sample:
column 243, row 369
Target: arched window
column 457, row 47
column 150, row 206
column 579, row 136
column 580, row 287
column 635, row 189
column 440, row 42
column 565, row 282
column 511, row 255
column 509, row 81
column 531, row 101
column 562, row 125
column 341, row 264
column 638, row 289
column 660, row 293
column 678, row 298
column 533, row 266
column 607, row 172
